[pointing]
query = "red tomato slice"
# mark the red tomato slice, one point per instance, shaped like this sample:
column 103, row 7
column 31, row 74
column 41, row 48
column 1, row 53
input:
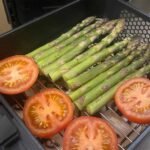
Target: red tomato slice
column 89, row 133
column 133, row 100
column 17, row 74
column 48, row 112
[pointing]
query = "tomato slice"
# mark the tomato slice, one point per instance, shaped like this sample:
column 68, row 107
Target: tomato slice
column 48, row 112
column 133, row 100
column 17, row 74
column 89, row 133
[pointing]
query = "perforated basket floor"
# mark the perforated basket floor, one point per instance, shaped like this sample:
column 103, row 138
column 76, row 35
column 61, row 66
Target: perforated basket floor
column 135, row 25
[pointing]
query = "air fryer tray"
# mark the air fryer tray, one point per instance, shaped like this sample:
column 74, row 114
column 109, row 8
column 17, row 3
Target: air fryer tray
column 42, row 30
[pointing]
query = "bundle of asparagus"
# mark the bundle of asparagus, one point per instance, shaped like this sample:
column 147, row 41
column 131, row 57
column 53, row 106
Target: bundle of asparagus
column 90, row 61
column 57, row 53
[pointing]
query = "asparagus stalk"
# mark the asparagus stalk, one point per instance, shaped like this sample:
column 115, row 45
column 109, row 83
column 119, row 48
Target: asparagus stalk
column 102, row 100
column 111, row 81
column 101, row 77
column 78, row 69
column 45, row 54
column 64, row 36
column 102, row 44
column 90, row 74
column 88, row 39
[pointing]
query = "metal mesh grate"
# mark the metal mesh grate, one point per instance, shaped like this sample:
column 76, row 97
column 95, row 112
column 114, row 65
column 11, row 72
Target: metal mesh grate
column 135, row 26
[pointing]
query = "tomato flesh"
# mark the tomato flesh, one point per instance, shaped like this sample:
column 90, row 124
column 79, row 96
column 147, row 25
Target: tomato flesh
column 89, row 133
column 133, row 100
column 48, row 112
column 17, row 74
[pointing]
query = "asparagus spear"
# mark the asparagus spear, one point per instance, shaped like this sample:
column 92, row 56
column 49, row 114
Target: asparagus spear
column 64, row 36
column 88, row 39
column 108, row 83
column 101, row 77
column 58, row 47
column 51, row 57
column 94, row 59
column 90, row 74
column 102, row 100
column 102, row 44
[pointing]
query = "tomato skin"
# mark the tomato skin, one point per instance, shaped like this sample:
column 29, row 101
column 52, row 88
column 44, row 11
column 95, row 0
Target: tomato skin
column 132, row 116
column 32, row 67
column 47, row 133
column 85, row 120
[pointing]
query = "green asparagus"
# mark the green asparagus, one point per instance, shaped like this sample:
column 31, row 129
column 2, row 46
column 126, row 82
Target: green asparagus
column 64, row 36
column 90, row 74
column 111, row 81
column 102, row 44
column 94, row 59
column 101, row 77
column 58, row 47
column 102, row 100
column 88, row 39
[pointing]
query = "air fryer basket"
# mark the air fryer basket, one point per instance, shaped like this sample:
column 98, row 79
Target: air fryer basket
column 42, row 30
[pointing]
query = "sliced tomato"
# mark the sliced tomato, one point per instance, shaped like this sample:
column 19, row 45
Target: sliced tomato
column 48, row 112
column 17, row 74
column 89, row 133
column 133, row 100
